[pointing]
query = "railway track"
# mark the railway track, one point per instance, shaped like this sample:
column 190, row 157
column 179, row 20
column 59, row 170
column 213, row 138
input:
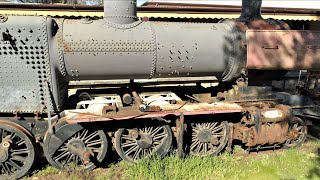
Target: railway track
column 159, row 10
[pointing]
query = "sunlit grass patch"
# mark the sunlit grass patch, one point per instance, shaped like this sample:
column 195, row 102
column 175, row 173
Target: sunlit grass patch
column 291, row 164
column 300, row 163
column 48, row 170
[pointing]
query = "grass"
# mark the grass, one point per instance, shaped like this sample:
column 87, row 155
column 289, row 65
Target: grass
column 302, row 163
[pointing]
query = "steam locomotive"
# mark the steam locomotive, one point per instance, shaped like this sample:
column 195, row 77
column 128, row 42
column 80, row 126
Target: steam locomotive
column 41, row 55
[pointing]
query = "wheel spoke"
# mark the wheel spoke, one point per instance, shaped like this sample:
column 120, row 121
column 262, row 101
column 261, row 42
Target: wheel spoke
column 63, row 149
column 298, row 128
column 202, row 134
column 61, row 155
column 83, row 134
column 6, row 168
column 12, row 136
column 212, row 125
column 136, row 154
column 155, row 131
column 20, row 151
column 211, row 146
column 20, row 154
column 20, row 142
column 205, row 148
column 93, row 143
column 129, row 144
column 13, row 164
column 133, row 148
column 158, row 136
column 218, row 134
column 91, row 136
column 127, row 137
column 148, row 130
column 151, row 140
column 194, row 145
column 84, row 140
column 18, row 158
column 69, row 158
column 218, row 128
column 199, row 148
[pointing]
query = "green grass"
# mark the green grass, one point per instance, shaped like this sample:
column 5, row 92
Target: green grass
column 292, row 164
column 46, row 171
column 303, row 163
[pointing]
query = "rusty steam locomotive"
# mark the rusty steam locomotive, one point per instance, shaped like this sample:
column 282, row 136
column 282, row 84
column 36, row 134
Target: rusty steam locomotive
column 39, row 56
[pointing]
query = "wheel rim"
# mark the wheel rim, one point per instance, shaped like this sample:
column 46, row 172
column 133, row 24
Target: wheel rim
column 82, row 147
column 297, row 132
column 208, row 138
column 135, row 144
column 17, row 151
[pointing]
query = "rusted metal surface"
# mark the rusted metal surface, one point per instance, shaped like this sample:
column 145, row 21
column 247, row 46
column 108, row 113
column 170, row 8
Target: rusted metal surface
column 266, row 134
column 82, row 115
column 287, row 50
column 137, row 99
column 264, row 126
column 280, row 113
column 179, row 132
column 267, row 115
column 230, row 137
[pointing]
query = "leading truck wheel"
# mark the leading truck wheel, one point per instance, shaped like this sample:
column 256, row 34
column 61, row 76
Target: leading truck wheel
column 73, row 144
column 135, row 144
column 17, row 151
column 208, row 138
column 297, row 133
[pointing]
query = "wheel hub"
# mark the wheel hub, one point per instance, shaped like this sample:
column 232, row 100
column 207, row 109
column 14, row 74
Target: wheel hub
column 4, row 155
column 145, row 141
column 205, row 136
column 76, row 146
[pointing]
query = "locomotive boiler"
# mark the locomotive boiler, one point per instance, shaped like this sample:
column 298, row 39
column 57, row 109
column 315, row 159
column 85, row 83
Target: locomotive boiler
column 41, row 55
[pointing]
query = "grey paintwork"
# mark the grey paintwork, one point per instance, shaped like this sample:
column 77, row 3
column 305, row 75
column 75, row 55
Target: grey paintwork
column 120, row 11
column 39, row 49
column 98, row 50
column 25, row 64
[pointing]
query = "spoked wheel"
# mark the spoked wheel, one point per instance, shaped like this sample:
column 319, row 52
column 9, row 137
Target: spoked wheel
column 297, row 133
column 138, row 143
column 72, row 144
column 17, row 151
column 208, row 138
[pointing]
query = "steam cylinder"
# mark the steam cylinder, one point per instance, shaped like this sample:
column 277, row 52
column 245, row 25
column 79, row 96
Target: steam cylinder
column 99, row 50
